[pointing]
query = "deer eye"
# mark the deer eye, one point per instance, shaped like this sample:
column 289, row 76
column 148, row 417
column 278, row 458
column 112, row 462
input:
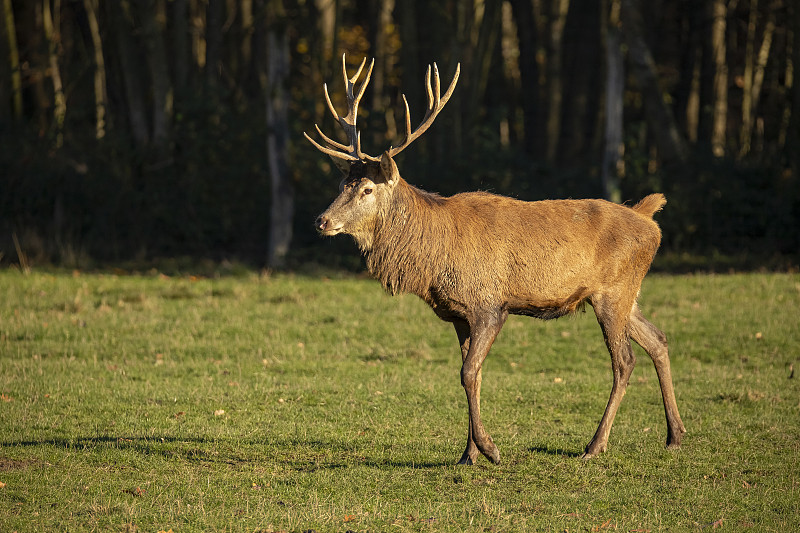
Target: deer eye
column 367, row 191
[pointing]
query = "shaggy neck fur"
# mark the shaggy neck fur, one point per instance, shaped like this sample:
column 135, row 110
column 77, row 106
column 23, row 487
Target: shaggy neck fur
column 406, row 247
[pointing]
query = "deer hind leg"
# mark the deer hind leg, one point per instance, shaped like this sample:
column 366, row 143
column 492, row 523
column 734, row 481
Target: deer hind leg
column 654, row 343
column 483, row 331
column 614, row 323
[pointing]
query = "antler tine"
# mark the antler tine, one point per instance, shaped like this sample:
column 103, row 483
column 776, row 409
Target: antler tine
column 331, row 152
column 358, row 72
column 435, row 105
column 330, row 104
column 330, row 141
column 351, row 152
column 348, row 122
column 430, row 91
column 408, row 118
column 353, row 98
column 436, row 83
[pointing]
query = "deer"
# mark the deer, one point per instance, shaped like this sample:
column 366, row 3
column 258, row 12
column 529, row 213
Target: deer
column 476, row 257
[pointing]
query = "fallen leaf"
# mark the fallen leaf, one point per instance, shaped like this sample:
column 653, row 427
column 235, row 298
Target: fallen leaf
column 2, row 484
column 138, row 491
column 219, row 412
column 558, row 380
column 6, row 398
column 604, row 525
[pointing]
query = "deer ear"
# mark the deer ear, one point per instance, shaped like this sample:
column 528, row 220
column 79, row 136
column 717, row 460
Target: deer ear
column 342, row 164
column 389, row 169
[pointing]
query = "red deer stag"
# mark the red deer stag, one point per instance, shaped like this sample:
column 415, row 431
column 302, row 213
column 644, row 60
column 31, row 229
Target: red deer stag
column 477, row 257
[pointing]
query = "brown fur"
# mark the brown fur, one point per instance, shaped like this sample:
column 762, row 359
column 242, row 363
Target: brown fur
column 476, row 257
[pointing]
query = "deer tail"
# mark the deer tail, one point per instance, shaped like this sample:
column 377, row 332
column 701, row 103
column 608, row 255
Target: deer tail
column 650, row 204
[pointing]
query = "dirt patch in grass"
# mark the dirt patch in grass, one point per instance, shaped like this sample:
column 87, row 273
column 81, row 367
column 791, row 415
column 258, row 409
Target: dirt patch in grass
column 9, row 465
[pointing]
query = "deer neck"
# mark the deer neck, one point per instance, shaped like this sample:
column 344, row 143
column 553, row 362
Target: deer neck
column 401, row 251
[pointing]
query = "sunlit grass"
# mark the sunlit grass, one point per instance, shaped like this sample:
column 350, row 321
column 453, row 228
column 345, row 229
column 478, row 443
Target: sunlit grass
column 291, row 403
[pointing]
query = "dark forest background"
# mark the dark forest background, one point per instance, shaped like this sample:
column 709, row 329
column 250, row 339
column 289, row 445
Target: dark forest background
column 137, row 130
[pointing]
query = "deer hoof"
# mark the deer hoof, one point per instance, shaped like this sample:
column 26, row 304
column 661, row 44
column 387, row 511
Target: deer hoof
column 592, row 450
column 674, row 439
column 493, row 454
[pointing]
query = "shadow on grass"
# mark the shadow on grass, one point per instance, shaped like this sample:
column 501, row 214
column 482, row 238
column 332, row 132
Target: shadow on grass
column 554, row 451
column 300, row 455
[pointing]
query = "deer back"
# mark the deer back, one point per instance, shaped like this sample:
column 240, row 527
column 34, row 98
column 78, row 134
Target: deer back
column 479, row 250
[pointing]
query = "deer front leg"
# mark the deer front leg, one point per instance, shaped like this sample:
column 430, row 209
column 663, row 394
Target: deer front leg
column 483, row 331
column 470, row 454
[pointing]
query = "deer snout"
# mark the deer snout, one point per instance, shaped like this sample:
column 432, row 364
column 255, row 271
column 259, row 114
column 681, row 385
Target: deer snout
column 325, row 226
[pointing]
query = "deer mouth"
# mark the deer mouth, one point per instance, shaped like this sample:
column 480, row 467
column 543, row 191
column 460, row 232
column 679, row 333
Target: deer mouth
column 326, row 228
column 329, row 232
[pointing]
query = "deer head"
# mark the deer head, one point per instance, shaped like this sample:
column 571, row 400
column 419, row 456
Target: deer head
column 369, row 181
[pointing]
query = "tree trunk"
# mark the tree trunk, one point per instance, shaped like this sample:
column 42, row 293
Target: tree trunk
column 669, row 142
column 13, row 59
column 327, row 27
column 753, row 78
column 615, row 88
column 490, row 27
column 51, row 21
column 528, row 71
column 37, row 67
column 214, row 21
column 277, row 100
column 792, row 147
column 406, row 16
column 180, row 47
column 702, row 20
column 119, row 15
column 92, row 9
column 718, row 47
column 582, row 77
column 383, row 64
column 153, row 17
column 555, row 81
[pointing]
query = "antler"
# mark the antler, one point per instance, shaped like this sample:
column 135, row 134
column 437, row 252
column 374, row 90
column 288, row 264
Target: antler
column 351, row 152
column 435, row 104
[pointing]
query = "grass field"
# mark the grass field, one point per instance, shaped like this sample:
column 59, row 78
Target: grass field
column 291, row 403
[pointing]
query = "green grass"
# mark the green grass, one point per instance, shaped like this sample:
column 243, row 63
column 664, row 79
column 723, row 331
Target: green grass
column 343, row 410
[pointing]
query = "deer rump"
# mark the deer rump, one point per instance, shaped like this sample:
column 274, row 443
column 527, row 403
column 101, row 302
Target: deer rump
column 478, row 250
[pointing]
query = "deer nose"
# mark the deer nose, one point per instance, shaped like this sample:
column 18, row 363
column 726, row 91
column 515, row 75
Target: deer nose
column 322, row 223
